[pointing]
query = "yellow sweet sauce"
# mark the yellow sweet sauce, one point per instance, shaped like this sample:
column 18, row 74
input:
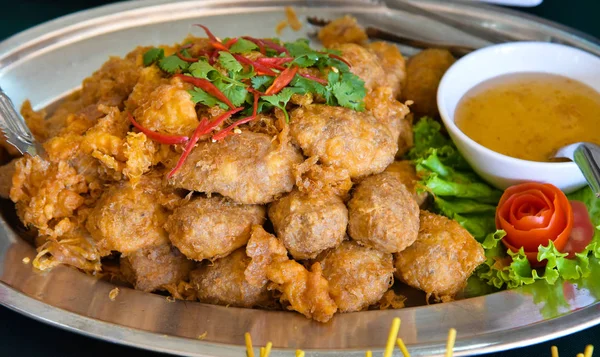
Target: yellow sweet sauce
column 530, row 115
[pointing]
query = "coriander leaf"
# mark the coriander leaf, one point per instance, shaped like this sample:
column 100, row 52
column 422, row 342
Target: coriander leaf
column 242, row 46
column 242, row 75
column 262, row 82
column 280, row 100
column 236, row 94
column 228, row 62
column 200, row 96
column 348, row 90
column 172, row 64
column 201, row 69
column 308, row 86
column 153, row 55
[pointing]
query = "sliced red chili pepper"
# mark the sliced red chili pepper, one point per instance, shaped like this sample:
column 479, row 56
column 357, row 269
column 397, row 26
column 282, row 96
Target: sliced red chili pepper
column 188, row 149
column 275, row 46
column 207, row 86
column 209, row 126
column 208, row 33
column 186, row 59
column 230, row 42
column 260, row 68
column 274, row 61
column 161, row 138
column 282, row 80
column 339, row 58
column 212, row 59
column 225, row 132
column 313, row 78
column 259, row 43
column 186, row 46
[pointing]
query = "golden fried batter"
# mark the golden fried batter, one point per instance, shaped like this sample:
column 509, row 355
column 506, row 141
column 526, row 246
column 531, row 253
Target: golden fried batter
column 152, row 268
column 309, row 223
column 250, row 168
column 383, row 214
column 128, row 218
column 441, row 259
column 264, row 249
column 385, row 108
column 209, row 228
column 312, row 177
column 393, row 64
column 365, row 64
column 406, row 173
column 424, row 72
column 306, row 291
column 45, row 192
column 358, row 276
column 342, row 30
column 344, row 138
column 222, row 282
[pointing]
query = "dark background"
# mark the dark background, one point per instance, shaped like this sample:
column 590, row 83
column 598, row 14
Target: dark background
column 21, row 336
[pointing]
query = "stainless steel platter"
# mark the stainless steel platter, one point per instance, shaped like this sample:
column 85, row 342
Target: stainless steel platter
column 48, row 61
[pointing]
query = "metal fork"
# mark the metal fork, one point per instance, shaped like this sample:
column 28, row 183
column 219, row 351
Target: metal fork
column 14, row 128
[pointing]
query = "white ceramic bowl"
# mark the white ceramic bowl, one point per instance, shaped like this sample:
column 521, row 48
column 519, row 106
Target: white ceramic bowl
column 500, row 170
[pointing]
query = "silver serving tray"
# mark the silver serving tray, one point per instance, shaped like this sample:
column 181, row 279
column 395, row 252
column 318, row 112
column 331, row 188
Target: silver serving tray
column 50, row 60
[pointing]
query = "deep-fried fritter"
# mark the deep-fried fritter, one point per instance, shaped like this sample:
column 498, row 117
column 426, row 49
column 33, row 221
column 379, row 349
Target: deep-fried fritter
column 306, row 291
column 441, row 259
column 393, row 64
column 365, row 64
column 344, row 138
column 222, row 282
column 209, row 228
column 152, row 268
column 250, row 168
column 424, row 72
column 406, row 173
column 309, row 223
column 406, row 140
column 342, row 30
column 264, row 249
column 358, row 276
column 312, row 177
column 128, row 218
column 383, row 214
column 385, row 108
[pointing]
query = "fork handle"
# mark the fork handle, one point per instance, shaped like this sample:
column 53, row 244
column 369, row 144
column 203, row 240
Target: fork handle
column 12, row 124
column 587, row 157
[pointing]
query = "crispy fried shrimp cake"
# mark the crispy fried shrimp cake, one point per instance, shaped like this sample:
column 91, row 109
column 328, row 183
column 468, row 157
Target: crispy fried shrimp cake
column 395, row 115
column 306, row 291
column 365, row 64
column 222, row 282
column 128, row 218
column 406, row 173
column 309, row 223
column 152, row 268
column 344, row 138
column 209, row 228
column 250, row 168
column 424, row 73
column 264, row 249
column 441, row 259
column 393, row 64
column 383, row 214
column 358, row 276
column 342, row 30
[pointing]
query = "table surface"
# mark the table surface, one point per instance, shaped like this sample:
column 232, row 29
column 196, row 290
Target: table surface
column 22, row 336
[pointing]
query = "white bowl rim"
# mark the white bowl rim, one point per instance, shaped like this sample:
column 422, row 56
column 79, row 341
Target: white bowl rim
column 450, row 124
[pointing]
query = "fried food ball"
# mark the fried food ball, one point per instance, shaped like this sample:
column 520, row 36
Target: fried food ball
column 358, row 276
column 387, row 110
column 383, row 214
column 344, row 138
column 152, row 268
column 406, row 139
column 393, row 64
column 209, row 228
column 250, row 168
column 441, row 259
column 309, row 223
column 127, row 218
column 342, row 30
column 365, row 64
column 306, row 291
column 406, row 173
column 222, row 282
column 264, row 249
column 168, row 109
column 424, row 72
column 312, row 177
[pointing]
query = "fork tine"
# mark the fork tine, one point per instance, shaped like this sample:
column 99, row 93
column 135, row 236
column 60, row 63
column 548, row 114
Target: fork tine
column 317, row 21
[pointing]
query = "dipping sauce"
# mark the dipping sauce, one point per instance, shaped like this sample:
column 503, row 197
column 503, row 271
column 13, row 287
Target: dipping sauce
column 530, row 115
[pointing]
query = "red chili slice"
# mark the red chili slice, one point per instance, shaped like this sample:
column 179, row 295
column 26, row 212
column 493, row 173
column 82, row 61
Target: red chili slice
column 227, row 131
column 339, row 58
column 282, row 80
column 186, row 59
column 313, row 78
column 260, row 68
column 259, row 43
column 161, row 138
column 274, row 61
column 207, row 86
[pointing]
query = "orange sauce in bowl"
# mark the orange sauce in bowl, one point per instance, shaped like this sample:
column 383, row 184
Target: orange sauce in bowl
column 530, row 115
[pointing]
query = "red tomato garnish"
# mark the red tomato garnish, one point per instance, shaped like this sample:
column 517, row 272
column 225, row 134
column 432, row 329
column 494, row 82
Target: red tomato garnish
column 583, row 230
column 532, row 214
